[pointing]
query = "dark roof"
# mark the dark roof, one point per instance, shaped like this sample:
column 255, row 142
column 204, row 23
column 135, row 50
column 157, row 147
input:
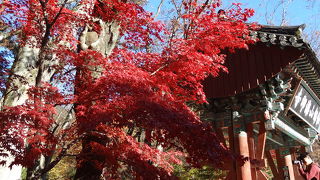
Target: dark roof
column 248, row 69
column 308, row 66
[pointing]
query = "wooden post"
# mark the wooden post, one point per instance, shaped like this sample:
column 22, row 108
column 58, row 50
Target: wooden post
column 252, row 150
column 262, row 136
column 288, row 163
column 262, row 176
column 284, row 161
column 260, row 149
column 244, row 172
column 297, row 175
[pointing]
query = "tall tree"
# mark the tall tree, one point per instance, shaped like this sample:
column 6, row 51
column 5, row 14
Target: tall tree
column 117, row 73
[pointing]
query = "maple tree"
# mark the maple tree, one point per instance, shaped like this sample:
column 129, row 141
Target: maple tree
column 122, row 77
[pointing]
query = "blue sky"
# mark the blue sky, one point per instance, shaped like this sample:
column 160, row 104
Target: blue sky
column 297, row 11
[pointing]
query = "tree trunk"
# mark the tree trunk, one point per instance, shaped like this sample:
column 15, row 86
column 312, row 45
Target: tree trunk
column 32, row 66
column 104, row 42
column 23, row 75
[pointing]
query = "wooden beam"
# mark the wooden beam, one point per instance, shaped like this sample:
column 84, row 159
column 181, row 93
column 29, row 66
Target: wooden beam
column 262, row 136
column 222, row 120
column 258, row 163
column 262, row 176
column 272, row 165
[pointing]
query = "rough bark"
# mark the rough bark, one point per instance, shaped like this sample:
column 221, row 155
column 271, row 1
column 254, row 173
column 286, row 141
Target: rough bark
column 22, row 76
column 32, row 66
column 104, row 42
column 24, row 73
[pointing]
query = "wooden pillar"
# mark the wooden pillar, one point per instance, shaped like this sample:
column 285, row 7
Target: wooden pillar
column 244, row 172
column 260, row 150
column 252, row 150
column 284, row 161
column 262, row 136
column 288, row 163
column 261, row 175
column 297, row 175
column 242, row 142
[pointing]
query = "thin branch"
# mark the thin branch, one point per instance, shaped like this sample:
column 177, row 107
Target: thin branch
column 53, row 163
column 159, row 69
column 203, row 7
column 178, row 9
column 174, row 27
column 158, row 9
column 43, row 7
column 272, row 14
column 4, row 36
column 59, row 13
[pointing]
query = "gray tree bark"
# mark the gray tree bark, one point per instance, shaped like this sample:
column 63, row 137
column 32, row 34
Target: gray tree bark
column 32, row 66
column 103, row 42
column 22, row 76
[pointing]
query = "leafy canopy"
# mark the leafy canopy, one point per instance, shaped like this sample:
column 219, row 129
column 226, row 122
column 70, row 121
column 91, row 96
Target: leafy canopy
column 145, row 82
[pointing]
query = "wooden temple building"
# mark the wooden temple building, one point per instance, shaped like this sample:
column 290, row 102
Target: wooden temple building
column 267, row 108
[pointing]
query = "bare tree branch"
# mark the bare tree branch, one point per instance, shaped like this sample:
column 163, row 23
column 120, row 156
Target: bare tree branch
column 158, row 9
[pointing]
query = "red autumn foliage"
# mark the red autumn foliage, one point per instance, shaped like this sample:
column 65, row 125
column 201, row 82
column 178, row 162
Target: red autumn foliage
column 136, row 88
column 30, row 123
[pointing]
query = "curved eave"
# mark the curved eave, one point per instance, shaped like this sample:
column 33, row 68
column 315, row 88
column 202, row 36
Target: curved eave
column 289, row 30
column 282, row 36
column 308, row 68
column 276, row 48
